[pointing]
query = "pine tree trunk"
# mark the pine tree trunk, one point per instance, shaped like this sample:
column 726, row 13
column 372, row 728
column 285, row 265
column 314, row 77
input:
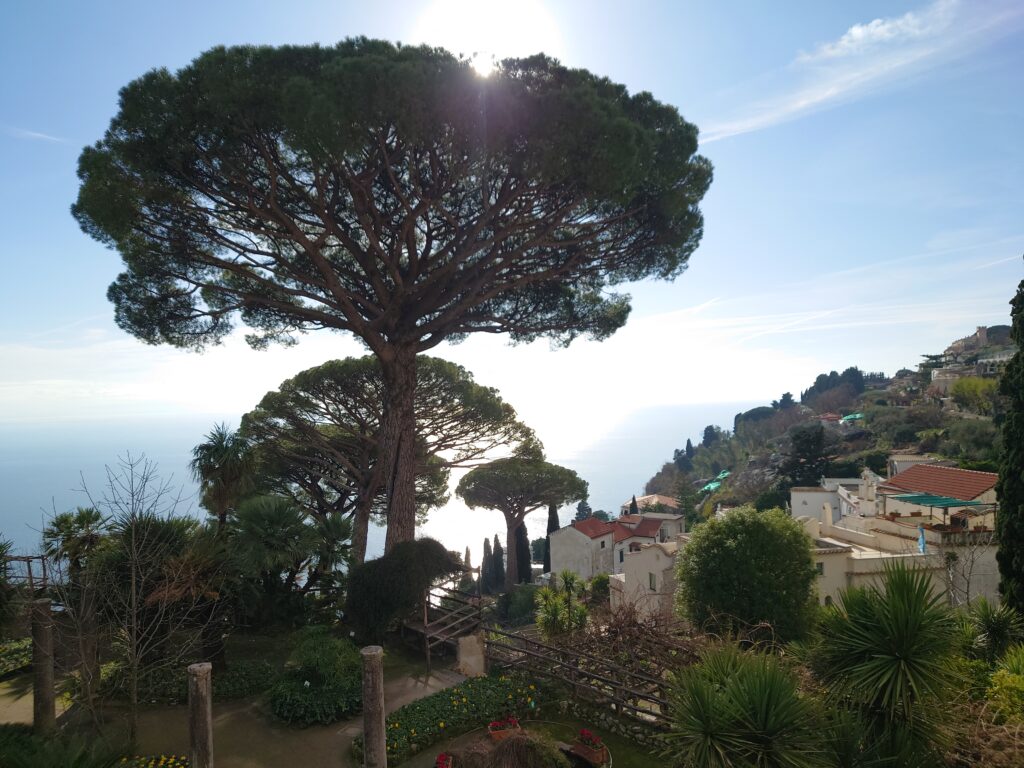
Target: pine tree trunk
column 398, row 445
column 360, row 531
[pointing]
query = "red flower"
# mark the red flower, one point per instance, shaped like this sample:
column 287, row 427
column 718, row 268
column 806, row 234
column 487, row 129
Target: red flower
column 590, row 739
column 500, row 725
column 443, row 760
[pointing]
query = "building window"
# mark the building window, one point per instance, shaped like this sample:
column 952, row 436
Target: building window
column 820, row 567
column 651, row 582
column 602, row 544
column 622, row 555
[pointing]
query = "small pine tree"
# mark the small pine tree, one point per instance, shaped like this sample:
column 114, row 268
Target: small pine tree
column 497, row 566
column 633, row 508
column 487, row 568
column 1010, row 488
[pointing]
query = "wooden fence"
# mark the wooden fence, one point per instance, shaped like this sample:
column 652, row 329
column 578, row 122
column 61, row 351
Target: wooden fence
column 589, row 677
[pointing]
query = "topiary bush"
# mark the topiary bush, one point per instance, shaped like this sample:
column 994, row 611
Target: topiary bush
column 322, row 682
column 454, row 711
column 389, row 588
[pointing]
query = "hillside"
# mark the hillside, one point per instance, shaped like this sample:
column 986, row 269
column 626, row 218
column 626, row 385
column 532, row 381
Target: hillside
column 948, row 408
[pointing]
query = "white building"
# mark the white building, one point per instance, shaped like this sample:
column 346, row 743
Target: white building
column 589, row 547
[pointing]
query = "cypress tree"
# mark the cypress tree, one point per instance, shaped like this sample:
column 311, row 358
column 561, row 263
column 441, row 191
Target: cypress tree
column 633, row 508
column 690, row 450
column 487, row 568
column 1010, row 488
column 467, row 561
column 553, row 525
column 497, row 566
column 524, row 566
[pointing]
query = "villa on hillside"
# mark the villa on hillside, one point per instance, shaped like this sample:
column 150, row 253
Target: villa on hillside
column 655, row 500
column 589, row 547
column 937, row 518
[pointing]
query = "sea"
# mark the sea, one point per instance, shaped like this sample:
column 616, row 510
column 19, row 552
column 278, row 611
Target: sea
column 47, row 468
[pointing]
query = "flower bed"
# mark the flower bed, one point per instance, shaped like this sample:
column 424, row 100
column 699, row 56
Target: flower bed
column 15, row 655
column 465, row 707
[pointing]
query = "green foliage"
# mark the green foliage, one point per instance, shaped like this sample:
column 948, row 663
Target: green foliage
column 736, row 709
column 524, row 564
column 972, row 441
column 806, row 460
column 689, row 502
column 389, row 588
column 745, row 569
column 15, row 655
column 1010, row 488
column 448, row 713
column 995, row 627
column 537, row 547
column 517, row 486
column 169, row 685
column 1013, row 660
column 516, row 607
column 599, row 589
column 886, row 653
column 976, row 394
column 560, row 608
column 1006, row 696
column 20, row 748
column 322, row 683
column 773, row 498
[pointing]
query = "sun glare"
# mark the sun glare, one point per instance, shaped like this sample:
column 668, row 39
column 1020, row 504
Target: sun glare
column 486, row 31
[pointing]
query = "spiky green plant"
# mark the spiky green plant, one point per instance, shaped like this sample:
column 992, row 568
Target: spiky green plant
column 741, row 710
column 996, row 627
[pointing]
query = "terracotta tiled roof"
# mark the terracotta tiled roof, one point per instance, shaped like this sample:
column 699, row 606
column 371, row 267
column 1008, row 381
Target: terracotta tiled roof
column 647, row 528
column 629, row 518
column 966, row 484
column 593, row 527
column 651, row 500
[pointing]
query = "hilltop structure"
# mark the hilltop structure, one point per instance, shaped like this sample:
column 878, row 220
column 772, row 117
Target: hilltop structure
column 590, row 547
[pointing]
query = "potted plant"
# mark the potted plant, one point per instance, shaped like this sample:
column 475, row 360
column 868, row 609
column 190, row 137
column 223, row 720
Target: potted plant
column 444, row 760
column 589, row 746
column 502, row 729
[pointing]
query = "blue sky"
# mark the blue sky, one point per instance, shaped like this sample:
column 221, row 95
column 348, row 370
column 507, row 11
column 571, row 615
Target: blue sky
column 866, row 208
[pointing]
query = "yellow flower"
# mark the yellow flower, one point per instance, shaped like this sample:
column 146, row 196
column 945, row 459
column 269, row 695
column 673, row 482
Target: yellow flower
column 441, row 724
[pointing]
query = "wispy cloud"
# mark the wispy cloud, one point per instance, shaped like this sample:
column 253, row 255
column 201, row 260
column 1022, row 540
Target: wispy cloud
column 24, row 133
column 871, row 56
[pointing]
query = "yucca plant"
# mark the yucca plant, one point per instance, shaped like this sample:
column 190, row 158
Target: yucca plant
column 739, row 709
column 886, row 653
column 996, row 628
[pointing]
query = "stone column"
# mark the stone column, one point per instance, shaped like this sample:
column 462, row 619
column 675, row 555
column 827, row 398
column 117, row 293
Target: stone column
column 375, row 753
column 44, row 700
column 200, row 716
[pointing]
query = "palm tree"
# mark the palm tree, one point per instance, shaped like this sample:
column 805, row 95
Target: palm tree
column 71, row 536
column 223, row 467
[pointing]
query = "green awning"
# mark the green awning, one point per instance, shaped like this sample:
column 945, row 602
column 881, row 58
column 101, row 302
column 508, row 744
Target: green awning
column 931, row 500
column 852, row 417
column 714, row 485
column 723, row 474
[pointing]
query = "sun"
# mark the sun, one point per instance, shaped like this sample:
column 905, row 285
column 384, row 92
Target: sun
column 486, row 31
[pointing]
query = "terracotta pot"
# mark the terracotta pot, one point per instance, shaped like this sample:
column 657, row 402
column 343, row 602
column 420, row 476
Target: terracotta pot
column 593, row 756
column 503, row 733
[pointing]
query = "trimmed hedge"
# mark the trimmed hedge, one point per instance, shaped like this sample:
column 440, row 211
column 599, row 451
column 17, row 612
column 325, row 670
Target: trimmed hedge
column 443, row 715
column 15, row 655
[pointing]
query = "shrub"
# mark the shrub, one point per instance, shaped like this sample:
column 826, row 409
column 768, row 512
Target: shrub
column 389, row 588
column 1006, row 695
column 516, row 607
column 15, row 655
column 600, row 590
column 169, row 685
column 322, row 683
column 454, row 711
column 527, row 751
column 735, row 708
column 20, row 748
column 747, row 568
